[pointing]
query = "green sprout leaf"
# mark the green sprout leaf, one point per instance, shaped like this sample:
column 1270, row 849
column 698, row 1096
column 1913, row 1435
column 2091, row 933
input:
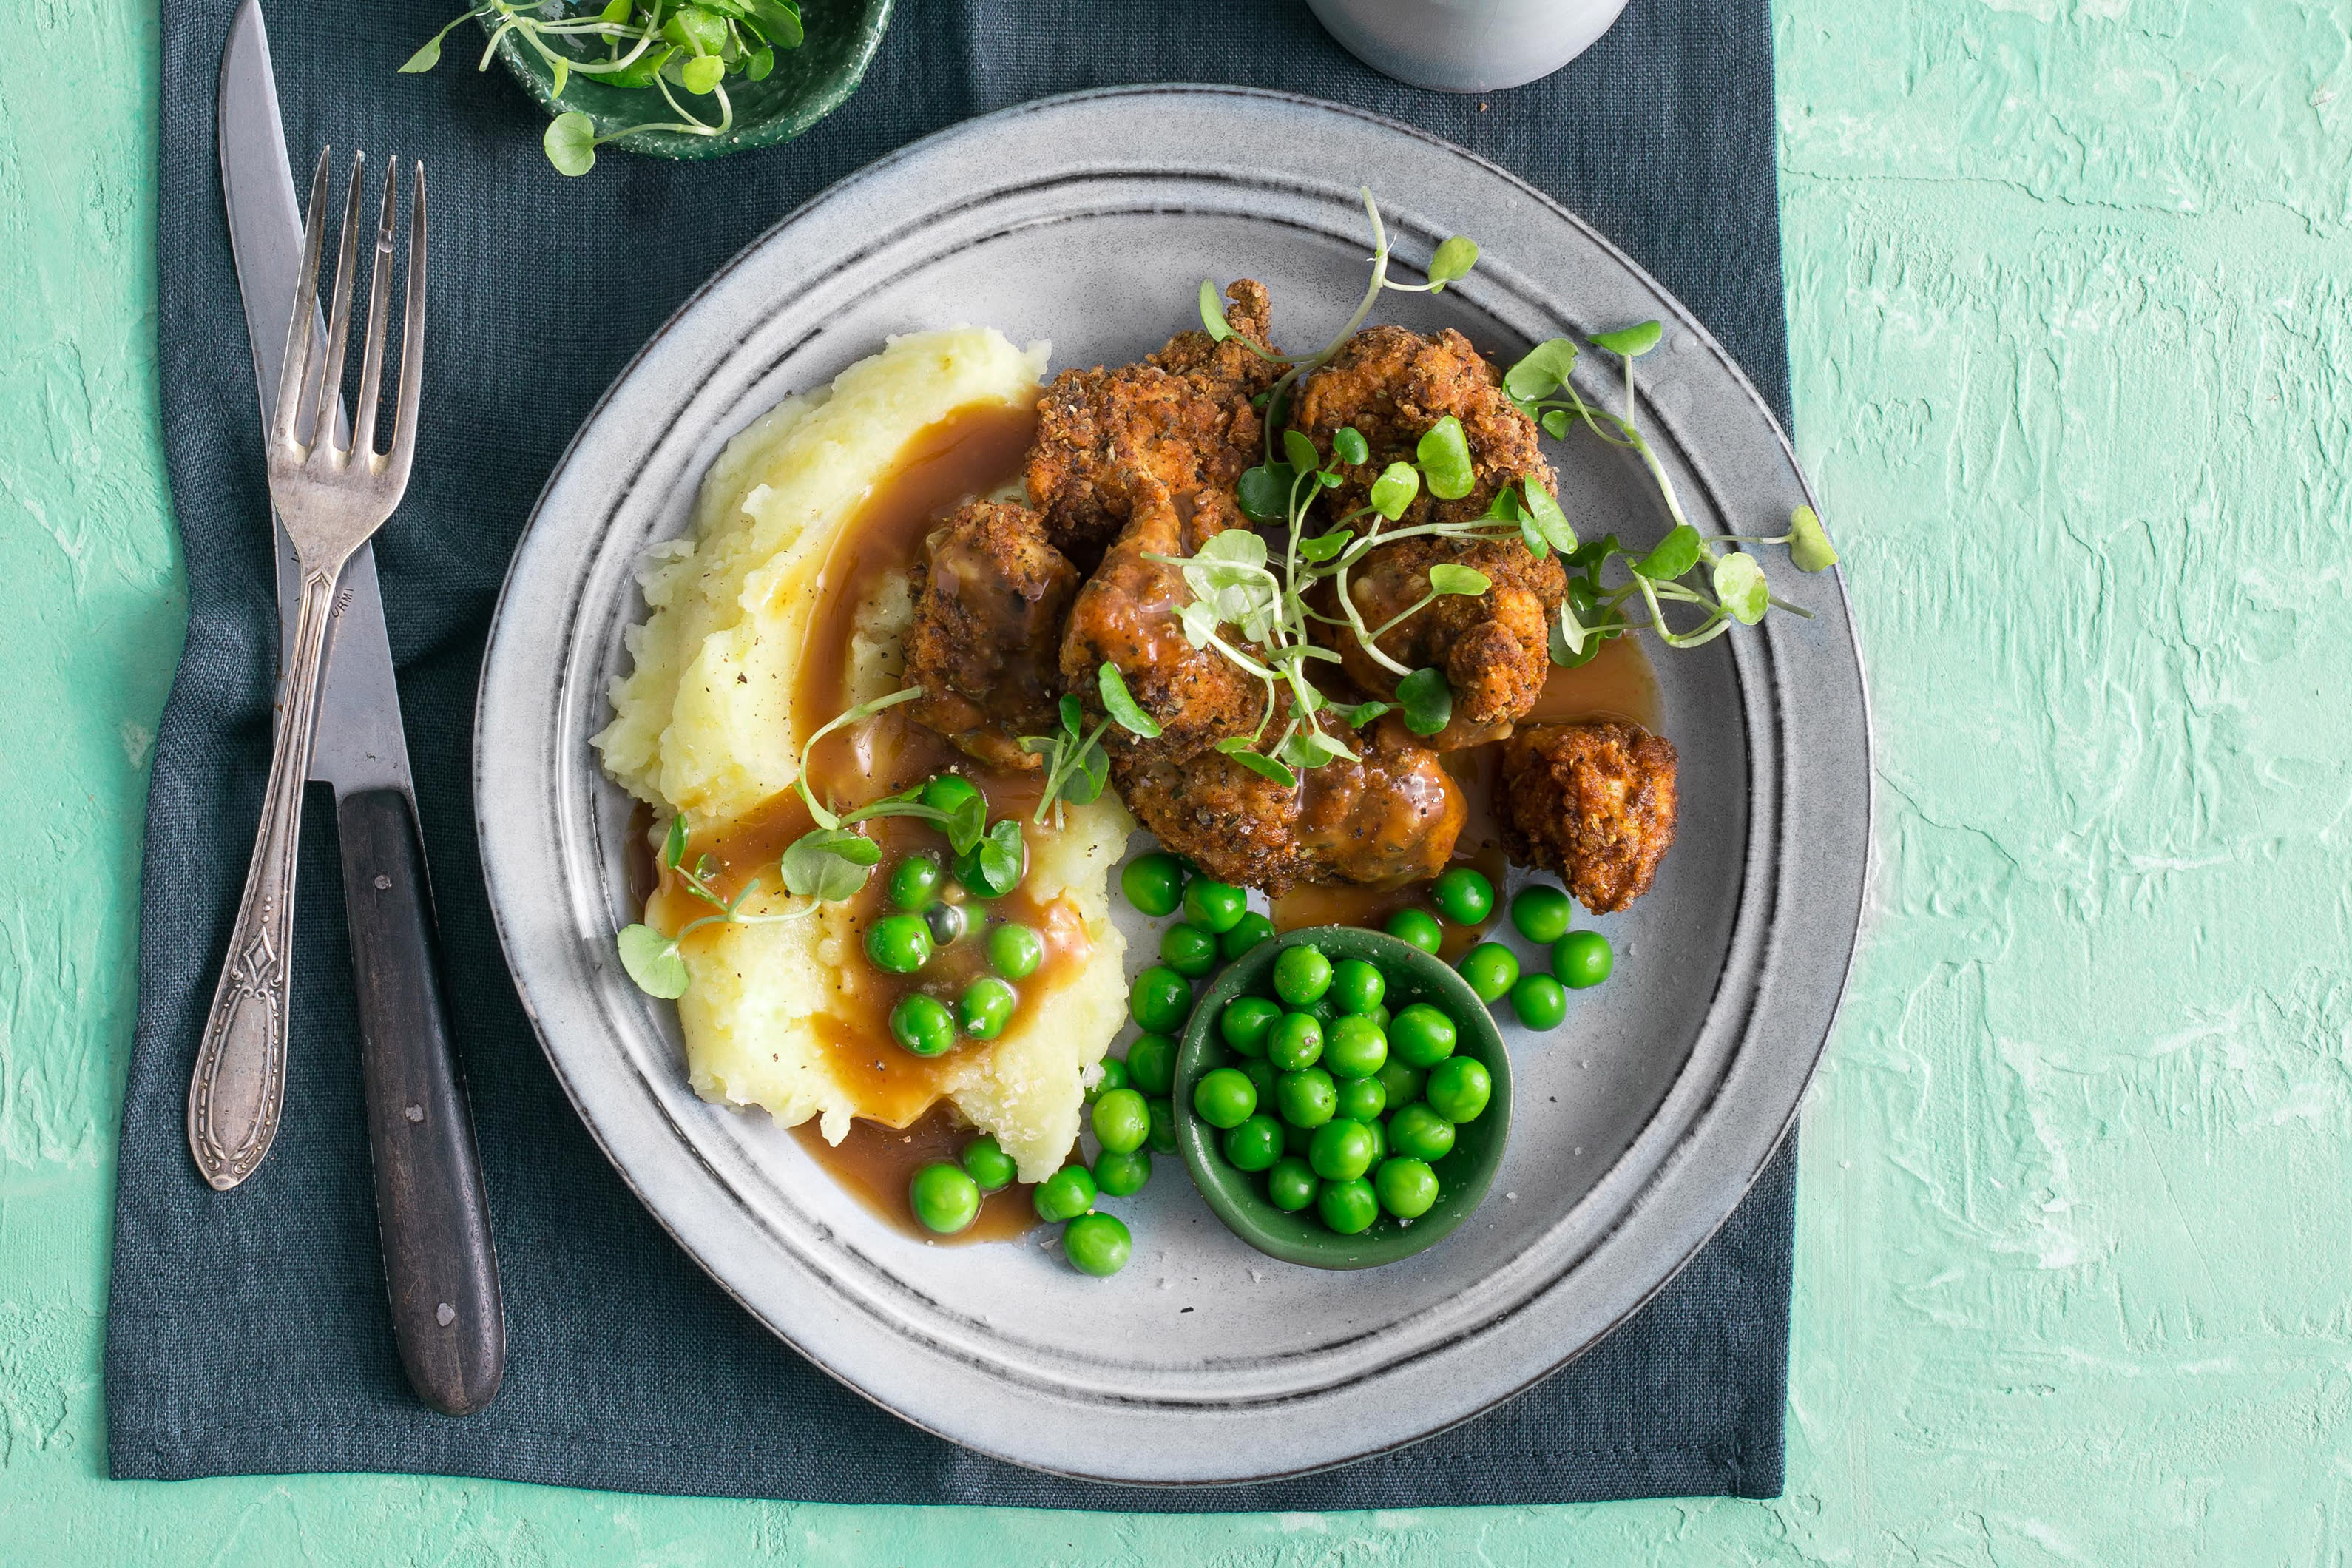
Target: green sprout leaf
column 1088, row 774
column 1362, row 714
column 1739, row 584
column 967, row 822
column 1549, row 521
column 702, row 74
column 1426, row 700
column 780, row 21
column 1263, row 767
column 425, row 59
column 1808, row 542
column 1212, row 311
column 1312, row 748
column 1324, row 546
column 1073, row 715
column 652, row 961
column 1002, row 855
column 830, row 863
column 700, row 30
column 1571, row 643
column 1391, row 492
column 560, row 75
column 1265, row 491
column 1454, row 260
column 758, row 64
column 1121, row 705
column 1349, row 444
column 1540, row 372
column 571, row 144
column 1448, row 577
column 1556, row 424
column 1632, row 341
column 1444, row 453
column 1300, row 453
column 674, row 846
column 1591, row 557
column 617, row 12
column 1676, row 554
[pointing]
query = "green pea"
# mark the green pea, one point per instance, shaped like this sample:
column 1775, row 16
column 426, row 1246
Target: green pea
column 1362, row 1099
column 1301, row 975
column 1306, row 1099
column 1349, row 1207
column 1407, row 1186
column 948, row 792
column 1581, row 959
column 1154, row 883
column 1261, row 1074
column 1151, row 1063
column 1421, row 1133
column 1113, row 1075
column 1541, row 913
column 1160, row 1000
column 1380, row 1015
column 1295, row 1139
column 988, row 1163
column 1215, row 906
column 923, row 1025
column 1244, row 1023
column 1122, row 1121
column 985, row 1006
column 1188, row 949
column 1065, row 1194
column 916, row 882
column 1357, row 1047
column 1341, row 1151
column 1097, row 1244
column 1120, row 1175
column 1163, row 1125
column 1492, row 970
column 1539, row 1002
column 1292, row 1184
column 1295, row 1041
column 1224, row 1098
column 1255, row 1145
column 1015, row 951
column 1356, row 986
column 944, row 1198
column 898, row 945
column 1463, row 896
column 945, row 921
column 1418, row 927
column 1401, row 1081
column 1420, row 1036
column 1380, row 1141
column 1252, row 928
column 1459, row 1088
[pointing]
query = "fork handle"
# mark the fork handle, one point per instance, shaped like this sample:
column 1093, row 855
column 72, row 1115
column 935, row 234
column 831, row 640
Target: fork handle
column 239, row 1084
column 433, row 1214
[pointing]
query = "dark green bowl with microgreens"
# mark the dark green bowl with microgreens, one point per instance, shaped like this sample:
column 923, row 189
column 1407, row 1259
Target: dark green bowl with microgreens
column 1238, row 1196
column 807, row 84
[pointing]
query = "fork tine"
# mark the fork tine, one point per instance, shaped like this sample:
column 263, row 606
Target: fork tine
column 412, row 339
column 379, row 308
column 339, row 319
column 294, row 374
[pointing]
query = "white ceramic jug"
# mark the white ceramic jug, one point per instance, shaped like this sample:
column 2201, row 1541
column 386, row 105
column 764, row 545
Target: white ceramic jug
column 1466, row 46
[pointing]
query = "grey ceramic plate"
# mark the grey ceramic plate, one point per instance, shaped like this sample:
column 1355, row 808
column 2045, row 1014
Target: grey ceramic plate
column 1090, row 220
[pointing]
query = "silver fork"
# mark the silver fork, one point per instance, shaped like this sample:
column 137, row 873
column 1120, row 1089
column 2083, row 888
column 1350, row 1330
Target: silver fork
column 330, row 502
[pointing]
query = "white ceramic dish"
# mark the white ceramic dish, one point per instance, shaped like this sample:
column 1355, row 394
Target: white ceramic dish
column 1091, row 220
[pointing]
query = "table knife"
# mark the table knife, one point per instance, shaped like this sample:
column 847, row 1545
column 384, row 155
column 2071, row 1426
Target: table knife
column 432, row 1211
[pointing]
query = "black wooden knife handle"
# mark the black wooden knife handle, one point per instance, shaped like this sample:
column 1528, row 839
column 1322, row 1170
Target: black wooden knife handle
column 432, row 1211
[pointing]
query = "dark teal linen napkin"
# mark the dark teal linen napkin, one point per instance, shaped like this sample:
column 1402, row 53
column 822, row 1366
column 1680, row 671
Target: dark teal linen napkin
column 248, row 1332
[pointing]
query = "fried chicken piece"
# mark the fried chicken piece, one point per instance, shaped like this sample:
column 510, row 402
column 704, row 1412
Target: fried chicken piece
column 1391, row 817
column 1493, row 649
column 1391, row 385
column 1592, row 803
column 1128, row 614
column 1180, row 420
column 991, row 597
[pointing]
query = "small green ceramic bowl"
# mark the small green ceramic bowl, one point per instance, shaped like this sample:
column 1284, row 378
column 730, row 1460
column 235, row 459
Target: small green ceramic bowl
column 808, row 83
column 1238, row 1196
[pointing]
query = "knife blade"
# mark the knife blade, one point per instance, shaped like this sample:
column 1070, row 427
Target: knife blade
column 432, row 1210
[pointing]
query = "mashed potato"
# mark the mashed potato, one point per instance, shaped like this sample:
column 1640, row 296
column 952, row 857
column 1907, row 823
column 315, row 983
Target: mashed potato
column 705, row 724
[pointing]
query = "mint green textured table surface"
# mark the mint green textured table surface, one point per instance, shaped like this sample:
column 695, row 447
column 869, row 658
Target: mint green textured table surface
column 2069, row 300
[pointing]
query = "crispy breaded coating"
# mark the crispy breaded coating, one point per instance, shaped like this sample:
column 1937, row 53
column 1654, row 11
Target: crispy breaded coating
column 1493, row 649
column 1392, row 385
column 1182, row 420
column 1592, row 803
column 1126, row 613
column 1393, row 817
column 990, row 598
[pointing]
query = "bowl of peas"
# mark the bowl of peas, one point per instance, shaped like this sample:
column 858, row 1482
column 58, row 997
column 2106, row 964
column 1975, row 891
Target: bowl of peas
column 1342, row 1099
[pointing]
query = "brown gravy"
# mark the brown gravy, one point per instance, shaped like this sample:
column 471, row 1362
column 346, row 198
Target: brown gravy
column 874, row 1163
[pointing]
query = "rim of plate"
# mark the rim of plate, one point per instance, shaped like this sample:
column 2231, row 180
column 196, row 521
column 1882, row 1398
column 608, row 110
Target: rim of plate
column 1682, row 1175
